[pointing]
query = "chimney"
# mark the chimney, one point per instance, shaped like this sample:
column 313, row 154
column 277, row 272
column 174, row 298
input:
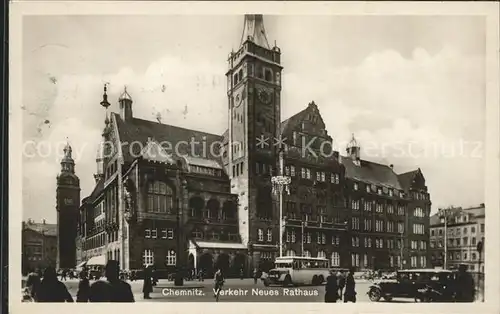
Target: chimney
column 391, row 166
column 481, row 205
column 43, row 221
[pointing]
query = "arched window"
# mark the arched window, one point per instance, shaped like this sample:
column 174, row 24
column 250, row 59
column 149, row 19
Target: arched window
column 335, row 259
column 290, row 253
column 307, row 253
column 229, row 210
column 148, row 257
column 321, row 254
column 171, row 258
column 196, row 205
column 160, row 198
column 213, row 208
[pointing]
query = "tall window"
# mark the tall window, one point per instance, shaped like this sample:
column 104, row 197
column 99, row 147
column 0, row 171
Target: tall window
column 290, row 253
column 171, row 258
column 307, row 253
column 269, row 235
column 335, row 259
column 160, row 197
column 423, row 262
column 260, row 234
column 354, row 259
column 355, row 223
column 321, row 254
column 148, row 257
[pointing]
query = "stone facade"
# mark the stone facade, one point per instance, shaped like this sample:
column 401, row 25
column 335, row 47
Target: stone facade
column 216, row 206
column 39, row 246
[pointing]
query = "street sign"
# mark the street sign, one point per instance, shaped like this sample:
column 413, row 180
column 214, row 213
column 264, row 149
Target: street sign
column 479, row 246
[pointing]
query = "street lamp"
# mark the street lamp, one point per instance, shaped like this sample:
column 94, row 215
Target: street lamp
column 281, row 184
column 479, row 248
column 444, row 213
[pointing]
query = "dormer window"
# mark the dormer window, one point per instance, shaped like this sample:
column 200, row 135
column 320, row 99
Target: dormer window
column 390, row 192
column 355, row 186
column 367, row 188
column 379, row 191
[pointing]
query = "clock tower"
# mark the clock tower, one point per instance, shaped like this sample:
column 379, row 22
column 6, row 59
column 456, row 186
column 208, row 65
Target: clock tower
column 254, row 90
column 67, row 203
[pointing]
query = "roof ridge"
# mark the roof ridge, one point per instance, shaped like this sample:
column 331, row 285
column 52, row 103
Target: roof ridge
column 175, row 126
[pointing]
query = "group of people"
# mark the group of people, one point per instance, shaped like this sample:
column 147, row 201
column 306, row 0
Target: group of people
column 335, row 285
column 50, row 289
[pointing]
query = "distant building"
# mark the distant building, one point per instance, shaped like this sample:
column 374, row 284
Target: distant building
column 39, row 245
column 465, row 228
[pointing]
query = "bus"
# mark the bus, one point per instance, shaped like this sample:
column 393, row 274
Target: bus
column 295, row 270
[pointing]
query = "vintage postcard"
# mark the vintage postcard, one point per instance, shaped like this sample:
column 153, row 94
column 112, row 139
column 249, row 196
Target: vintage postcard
column 285, row 155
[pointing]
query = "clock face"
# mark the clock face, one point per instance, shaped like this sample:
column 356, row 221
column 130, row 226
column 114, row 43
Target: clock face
column 264, row 95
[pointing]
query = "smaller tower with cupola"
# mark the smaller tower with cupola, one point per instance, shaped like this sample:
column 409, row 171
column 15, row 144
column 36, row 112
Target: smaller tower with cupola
column 67, row 203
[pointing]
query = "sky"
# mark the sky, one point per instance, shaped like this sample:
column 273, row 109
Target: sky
column 410, row 88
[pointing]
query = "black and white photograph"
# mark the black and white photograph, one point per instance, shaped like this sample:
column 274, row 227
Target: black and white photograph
column 207, row 156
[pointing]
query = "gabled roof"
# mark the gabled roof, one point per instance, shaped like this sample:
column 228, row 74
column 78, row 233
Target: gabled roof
column 138, row 130
column 154, row 152
column 98, row 188
column 371, row 172
column 42, row 228
column 406, row 179
column 290, row 123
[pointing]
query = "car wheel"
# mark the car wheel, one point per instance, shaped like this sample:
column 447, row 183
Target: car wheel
column 287, row 282
column 388, row 299
column 375, row 295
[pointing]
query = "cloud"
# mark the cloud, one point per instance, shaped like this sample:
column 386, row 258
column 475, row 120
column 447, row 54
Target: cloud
column 388, row 101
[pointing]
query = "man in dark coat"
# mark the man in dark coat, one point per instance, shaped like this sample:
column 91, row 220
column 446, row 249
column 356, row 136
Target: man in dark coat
column 113, row 289
column 83, row 288
column 147, row 287
column 331, row 289
column 51, row 289
column 350, row 288
column 464, row 285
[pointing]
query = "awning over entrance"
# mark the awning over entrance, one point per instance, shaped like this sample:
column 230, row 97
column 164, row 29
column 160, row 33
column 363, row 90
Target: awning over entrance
column 97, row 261
column 218, row 245
column 81, row 264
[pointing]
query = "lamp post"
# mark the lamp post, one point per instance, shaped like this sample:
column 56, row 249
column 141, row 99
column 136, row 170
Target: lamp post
column 479, row 248
column 280, row 185
column 179, row 272
column 444, row 213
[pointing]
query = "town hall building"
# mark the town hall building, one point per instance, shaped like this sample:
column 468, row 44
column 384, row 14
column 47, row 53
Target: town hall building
column 212, row 204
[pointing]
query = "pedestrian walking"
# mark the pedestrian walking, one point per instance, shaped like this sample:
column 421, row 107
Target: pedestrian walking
column 331, row 288
column 242, row 275
column 63, row 275
column 340, row 283
column 464, row 285
column 33, row 285
column 147, row 286
column 255, row 275
column 218, row 284
column 83, row 293
column 51, row 289
column 112, row 289
column 350, row 287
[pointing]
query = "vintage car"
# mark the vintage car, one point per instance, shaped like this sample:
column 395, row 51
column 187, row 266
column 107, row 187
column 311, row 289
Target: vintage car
column 410, row 283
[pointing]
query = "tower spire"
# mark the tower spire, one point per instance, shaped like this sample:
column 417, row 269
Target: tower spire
column 253, row 30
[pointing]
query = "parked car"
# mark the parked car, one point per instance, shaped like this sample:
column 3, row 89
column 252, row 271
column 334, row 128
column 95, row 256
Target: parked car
column 411, row 283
